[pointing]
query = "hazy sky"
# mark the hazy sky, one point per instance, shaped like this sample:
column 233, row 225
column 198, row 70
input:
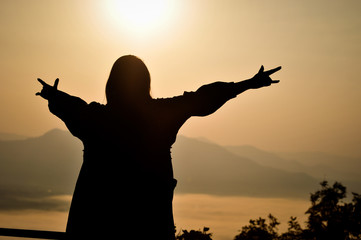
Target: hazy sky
column 185, row 44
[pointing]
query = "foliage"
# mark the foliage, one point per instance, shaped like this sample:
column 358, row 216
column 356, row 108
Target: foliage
column 294, row 232
column 259, row 229
column 329, row 218
column 195, row 235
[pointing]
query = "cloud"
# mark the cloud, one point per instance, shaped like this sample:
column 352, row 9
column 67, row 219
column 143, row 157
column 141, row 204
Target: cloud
column 24, row 199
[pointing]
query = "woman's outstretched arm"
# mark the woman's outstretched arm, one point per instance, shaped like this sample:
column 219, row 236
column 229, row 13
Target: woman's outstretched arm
column 70, row 109
column 261, row 79
column 209, row 98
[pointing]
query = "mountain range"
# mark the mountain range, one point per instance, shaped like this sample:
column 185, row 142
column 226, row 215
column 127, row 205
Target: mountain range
column 40, row 172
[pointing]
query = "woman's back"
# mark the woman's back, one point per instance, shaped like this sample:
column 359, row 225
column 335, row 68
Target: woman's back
column 125, row 186
column 127, row 169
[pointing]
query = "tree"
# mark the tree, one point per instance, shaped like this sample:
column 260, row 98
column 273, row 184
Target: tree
column 331, row 218
column 294, row 232
column 259, row 230
column 355, row 223
column 195, row 235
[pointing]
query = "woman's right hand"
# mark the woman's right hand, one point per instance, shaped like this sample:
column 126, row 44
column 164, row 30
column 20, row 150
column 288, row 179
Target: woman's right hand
column 47, row 89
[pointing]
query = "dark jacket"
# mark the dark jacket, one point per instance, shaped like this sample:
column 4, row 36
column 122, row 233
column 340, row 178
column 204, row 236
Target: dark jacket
column 125, row 186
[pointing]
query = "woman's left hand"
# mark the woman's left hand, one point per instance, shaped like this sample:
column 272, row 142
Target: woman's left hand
column 262, row 78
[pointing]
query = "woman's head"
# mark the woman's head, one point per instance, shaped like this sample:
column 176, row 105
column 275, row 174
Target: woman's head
column 129, row 80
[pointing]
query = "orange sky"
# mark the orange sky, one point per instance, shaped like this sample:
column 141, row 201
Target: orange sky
column 194, row 42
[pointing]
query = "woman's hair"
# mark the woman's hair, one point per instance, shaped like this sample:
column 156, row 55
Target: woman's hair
column 129, row 79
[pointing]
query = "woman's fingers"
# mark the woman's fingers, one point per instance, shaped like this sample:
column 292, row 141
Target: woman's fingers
column 45, row 84
column 261, row 69
column 42, row 82
column 272, row 71
column 56, row 83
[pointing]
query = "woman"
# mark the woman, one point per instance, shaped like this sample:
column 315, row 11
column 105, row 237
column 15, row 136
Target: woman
column 125, row 186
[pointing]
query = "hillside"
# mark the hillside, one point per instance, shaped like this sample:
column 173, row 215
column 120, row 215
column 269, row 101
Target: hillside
column 34, row 170
column 319, row 165
column 208, row 168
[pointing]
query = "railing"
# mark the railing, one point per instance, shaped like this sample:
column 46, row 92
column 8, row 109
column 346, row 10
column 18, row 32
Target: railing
column 23, row 233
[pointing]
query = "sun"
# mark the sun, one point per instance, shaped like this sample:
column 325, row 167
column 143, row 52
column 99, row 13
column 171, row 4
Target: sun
column 141, row 16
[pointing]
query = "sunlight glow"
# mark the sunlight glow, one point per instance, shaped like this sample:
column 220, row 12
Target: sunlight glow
column 141, row 16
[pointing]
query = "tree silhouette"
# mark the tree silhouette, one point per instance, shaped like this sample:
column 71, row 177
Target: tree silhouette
column 355, row 223
column 259, row 229
column 331, row 218
column 195, row 235
column 294, row 231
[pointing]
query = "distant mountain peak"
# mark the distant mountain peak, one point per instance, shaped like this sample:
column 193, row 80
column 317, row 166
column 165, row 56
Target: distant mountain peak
column 55, row 132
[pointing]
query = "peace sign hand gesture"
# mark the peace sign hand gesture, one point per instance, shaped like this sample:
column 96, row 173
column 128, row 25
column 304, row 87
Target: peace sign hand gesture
column 262, row 78
column 47, row 90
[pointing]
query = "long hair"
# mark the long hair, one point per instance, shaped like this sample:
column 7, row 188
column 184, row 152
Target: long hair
column 129, row 79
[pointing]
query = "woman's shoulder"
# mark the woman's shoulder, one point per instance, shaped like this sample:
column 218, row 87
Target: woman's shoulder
column 176, row 99
column 96, row 107
column 177, row 105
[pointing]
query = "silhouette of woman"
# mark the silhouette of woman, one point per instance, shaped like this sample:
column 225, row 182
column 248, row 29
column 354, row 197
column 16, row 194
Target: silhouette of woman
column 125, row 186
